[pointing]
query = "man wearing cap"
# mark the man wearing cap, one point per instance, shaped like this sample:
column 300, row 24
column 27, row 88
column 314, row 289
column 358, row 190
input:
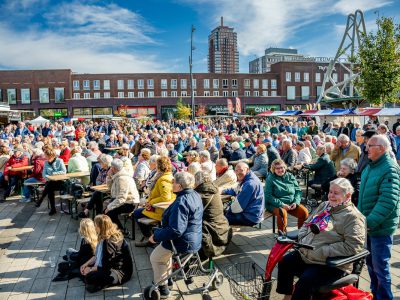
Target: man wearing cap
column 18, row 159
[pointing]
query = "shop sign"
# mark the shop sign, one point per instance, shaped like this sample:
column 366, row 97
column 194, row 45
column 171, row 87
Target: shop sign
column 217, row 108
column 262, row 108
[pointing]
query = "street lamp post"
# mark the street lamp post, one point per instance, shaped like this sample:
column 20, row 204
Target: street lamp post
column 191, row 73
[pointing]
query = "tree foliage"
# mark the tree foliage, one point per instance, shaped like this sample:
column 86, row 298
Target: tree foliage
column 378, row 60
column 183, row 111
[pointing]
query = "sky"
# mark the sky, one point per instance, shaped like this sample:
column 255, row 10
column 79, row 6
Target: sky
column 146, row 36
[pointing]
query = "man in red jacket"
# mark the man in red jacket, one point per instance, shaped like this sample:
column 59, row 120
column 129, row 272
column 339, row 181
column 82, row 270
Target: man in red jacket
column 18, row 159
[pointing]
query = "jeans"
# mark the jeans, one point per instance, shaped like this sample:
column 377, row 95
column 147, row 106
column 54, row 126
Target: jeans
column 379, row 267
column 27, row 190
column 145, row 229
column 238, row 219
column 12, row 182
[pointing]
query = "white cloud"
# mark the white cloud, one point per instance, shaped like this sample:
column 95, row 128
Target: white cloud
column 347, row 7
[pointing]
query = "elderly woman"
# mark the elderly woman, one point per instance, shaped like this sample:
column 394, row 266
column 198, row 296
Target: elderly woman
column 53, row 166
column 142, row 170
column 65, row 152
column 97, row 197
column 237, row 152
column 36, row 175
column 78, row 163
column 149, row 183
column 207, row 165
column 216, row 231
column 282, row 193
column 161, row 192
column 342, row 233
column 182, row 224
column 260, row 161
column 191, row 157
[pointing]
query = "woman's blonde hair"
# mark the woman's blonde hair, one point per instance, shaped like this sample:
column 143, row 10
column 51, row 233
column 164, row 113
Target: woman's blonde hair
column 277, row 162
column 88, row 232
column 107, row 229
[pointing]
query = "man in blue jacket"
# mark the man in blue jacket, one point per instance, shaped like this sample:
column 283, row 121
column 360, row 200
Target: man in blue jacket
column 248, row 207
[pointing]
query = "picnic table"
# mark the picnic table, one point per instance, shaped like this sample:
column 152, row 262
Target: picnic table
column 113, row 148
column 21, row 169
column 162, row 205
column 60, row 177
column 103, row 188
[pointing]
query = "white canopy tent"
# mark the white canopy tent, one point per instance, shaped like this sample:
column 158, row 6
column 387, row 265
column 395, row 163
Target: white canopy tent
column 39, row 121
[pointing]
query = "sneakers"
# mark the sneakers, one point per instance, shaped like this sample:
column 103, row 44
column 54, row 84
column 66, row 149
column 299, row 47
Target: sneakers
column 164, row 291
column 25, row 200
column 143, row 242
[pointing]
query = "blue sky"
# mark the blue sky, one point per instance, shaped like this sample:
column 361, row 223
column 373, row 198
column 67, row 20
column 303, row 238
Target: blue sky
column 132, row 36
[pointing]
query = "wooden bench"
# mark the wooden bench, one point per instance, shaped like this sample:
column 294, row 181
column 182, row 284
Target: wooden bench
column 266, row 216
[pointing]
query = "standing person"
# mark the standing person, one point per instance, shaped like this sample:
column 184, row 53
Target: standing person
column 379, row 200
column 344, row 148
column 69, row 131
column 397, row 140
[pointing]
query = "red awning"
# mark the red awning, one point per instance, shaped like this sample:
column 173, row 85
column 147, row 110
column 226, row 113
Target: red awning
column 265, row 113
column 369, row 111
column 309, row 112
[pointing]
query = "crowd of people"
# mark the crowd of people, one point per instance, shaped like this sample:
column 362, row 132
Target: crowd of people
column 212, row 173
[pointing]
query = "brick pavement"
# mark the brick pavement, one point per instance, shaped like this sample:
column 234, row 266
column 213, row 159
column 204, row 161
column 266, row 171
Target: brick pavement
column 30, row 240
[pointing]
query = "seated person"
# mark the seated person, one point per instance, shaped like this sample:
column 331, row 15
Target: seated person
column 77, row 163
column 206, row 164
column 112, row 263
column 237, row 153
column 304, row 155
column 226, row 177
column 74, row 259
column 142, row 169
column 65, row 152
column 323, row 167
column 149, row 183
column 18, row 159
column 216, row 230
column 53, row 166
column 248, row 207
column 124, row 194
column 182, row 224
column 260, row 162
column 36, row 175
column 282, row 192
column 96, row 200
column 161, row 192
column 289, row 155
column 342, row 233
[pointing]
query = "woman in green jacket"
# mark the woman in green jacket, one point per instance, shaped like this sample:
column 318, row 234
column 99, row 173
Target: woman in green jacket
column 283, row 192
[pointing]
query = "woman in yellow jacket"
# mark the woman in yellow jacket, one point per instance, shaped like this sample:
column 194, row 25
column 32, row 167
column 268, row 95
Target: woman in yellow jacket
column 161, row 191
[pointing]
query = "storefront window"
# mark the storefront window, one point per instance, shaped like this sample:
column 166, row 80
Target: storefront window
column 53, row 113
column 102, row 111
column 82, row 111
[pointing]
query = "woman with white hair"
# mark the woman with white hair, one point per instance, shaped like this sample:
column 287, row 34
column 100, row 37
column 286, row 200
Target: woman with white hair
column 207, row 165
column 36, row 175
column 237, row 153
column 77, row 163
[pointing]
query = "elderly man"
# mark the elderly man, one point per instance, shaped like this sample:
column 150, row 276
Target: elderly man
column 289, row 155
column 124, row 193
column 226, row 177
column 379, row 200
column 248, row 207
column 69, row 131
column 383, row 129
column 237, row 153
column 323, row 167
column 209, row 146
column 344, row 148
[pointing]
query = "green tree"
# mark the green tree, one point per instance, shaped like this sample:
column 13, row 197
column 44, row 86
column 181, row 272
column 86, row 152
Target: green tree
column 183, row 111
column 378, row 60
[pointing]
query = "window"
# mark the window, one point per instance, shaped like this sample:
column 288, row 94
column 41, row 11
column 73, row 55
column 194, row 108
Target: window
column 256, row 83
column 265, row 93
column 234, row 93
column 247, row 93
column 234, row 83
column 206, row 83
column 121, row 94
column 120, row 84
column 164, row 94
column 216, row 83
column 194, row 93
column 131, row 94
column 25, row 96
column 86, row 84
column 346, row 76
column 288, row 76
column 206, row 93
column 140, row 84
column 150, row 94
column 59, row 95
column 106, row 84
column 96, row 95
column 305, row 93
column 306, row 77
column 140, row 94
column 174, row 94
column 256, row 93
column 216, row 93
column 150, row 84
column 183, row 84
column 44, row 95
column 77, row 96
column 96, row 84
column 273, row 93
column 334, row 77
column 273, row 84
column 12, row 96
column 194, row 83
column 291, row 93
column 265, row 84
column 183, row 93
column 131, row 84
column 86, row 95
column 319, row 90
column 76, row 85
column 164, row 84
column 297, row 77
column 224, row 83
column 225, row 93
column 174, row 84
column 247, row 83
column 107, row 95
column 317, row 77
